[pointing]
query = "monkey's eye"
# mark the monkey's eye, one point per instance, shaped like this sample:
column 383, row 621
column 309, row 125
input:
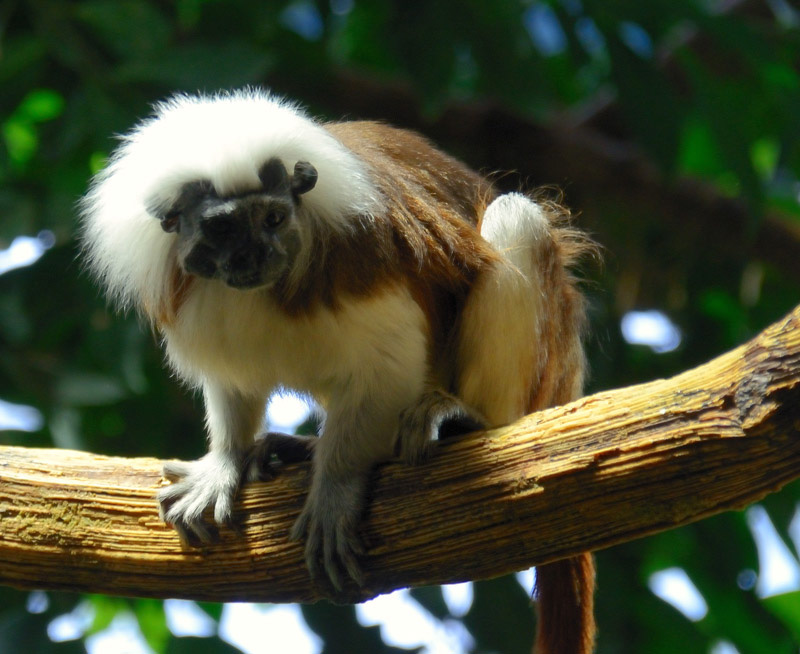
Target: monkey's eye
column 274, row 218
column 171, row 220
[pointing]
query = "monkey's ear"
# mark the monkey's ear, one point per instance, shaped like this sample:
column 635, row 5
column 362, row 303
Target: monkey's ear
column 274, row 177
column 304, row 178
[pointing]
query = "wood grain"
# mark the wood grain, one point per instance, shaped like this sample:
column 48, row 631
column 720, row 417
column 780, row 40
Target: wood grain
column 606, row 469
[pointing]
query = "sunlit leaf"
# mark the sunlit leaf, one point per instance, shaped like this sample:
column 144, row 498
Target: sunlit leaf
column 105, row 610
column 21, row 140
column 153, row 622
column 698, row 151
column 765, row 154
column 41, row 105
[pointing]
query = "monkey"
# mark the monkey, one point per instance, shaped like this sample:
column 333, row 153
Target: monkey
column 353, row 263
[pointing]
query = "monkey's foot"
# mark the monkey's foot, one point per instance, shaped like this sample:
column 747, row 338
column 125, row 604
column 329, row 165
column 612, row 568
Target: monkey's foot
column 329, row 522
column 284, row 447
column 209, row 483
column 436, row 416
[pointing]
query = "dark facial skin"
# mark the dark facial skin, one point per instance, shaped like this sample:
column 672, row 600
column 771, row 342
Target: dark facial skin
column 246, row 241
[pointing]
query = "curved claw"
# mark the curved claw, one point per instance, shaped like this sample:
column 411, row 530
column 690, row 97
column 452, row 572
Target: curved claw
column 348, row 548
column 195, row 534
column 329, row 521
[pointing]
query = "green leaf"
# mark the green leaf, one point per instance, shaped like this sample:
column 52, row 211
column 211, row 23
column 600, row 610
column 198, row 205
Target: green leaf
column 97, row 161
column 432, row 599
column 698, row 153
column 786, row 608
column 153, row 622
column 41, row 105
column 21, row 141
column 212, row 609
column 765, row 153
column 105, row 610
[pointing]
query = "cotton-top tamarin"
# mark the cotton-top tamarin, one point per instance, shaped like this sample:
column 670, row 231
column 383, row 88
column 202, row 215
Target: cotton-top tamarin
column 352, row 263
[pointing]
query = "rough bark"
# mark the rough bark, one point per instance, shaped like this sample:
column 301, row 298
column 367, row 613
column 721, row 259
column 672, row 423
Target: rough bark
column 608, row 468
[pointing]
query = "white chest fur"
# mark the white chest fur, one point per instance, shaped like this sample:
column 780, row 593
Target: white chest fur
column 244, row 341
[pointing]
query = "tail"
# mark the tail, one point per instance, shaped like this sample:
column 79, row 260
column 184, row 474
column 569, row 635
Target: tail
column 565, row 606
column 548, row 313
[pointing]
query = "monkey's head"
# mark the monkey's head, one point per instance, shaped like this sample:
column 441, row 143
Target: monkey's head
column 248, row 240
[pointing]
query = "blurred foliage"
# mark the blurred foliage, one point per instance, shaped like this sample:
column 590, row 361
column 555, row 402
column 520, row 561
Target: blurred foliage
column 708, row 89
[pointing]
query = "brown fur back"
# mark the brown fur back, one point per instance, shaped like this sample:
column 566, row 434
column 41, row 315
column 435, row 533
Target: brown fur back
column 427, row 235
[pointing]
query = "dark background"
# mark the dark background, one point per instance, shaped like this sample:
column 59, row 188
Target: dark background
column 672, row 127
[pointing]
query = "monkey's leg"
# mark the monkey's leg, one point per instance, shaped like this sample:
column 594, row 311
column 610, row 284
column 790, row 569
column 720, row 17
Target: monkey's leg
column 211, row 483
column 286, row 448
column 437, row 415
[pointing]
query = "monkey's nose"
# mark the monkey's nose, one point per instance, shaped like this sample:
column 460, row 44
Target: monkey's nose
column 239, row 261
column 245, row 259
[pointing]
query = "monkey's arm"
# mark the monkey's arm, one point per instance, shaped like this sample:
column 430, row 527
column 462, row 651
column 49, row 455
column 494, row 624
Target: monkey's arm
column 353, row 440
column 360, row 431
column 212, row 481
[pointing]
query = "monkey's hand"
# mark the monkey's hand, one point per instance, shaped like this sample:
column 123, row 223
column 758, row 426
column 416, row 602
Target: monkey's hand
column 329, row 521
column 436, row 416
column 285, row 447
column 210, row 483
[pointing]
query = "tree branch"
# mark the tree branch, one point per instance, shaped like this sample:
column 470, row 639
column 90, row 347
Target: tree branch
column 606, row 469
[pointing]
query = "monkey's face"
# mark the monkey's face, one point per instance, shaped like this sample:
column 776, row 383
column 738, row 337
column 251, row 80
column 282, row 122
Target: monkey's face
column 249, row 240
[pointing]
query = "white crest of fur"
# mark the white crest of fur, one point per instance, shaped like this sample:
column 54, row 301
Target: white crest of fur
column 225, row 139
